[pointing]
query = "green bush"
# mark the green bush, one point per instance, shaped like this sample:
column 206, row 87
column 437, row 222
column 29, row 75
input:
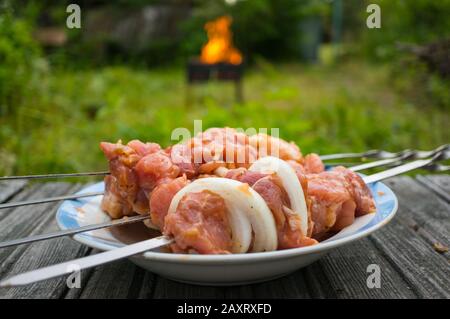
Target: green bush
column 19, row 63
column 408, row 27
column 348, row 108
column 402, row 21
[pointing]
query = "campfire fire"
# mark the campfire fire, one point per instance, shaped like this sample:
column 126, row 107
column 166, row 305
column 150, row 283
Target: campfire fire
column 219, row 47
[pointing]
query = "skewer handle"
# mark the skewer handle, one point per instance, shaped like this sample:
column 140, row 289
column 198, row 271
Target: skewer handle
column 85, row 262
column 397, row 170
column 341, row 156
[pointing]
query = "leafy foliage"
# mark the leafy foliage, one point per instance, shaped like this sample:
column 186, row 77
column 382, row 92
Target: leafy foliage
column 19, row 55
column 414, row 22
column 51, row 120
column 324, row 110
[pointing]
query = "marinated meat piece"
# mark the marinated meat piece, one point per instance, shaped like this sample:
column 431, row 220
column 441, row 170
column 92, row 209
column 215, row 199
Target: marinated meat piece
column 200, row 224
column 144, row 176
column 161, row 198
column 153, row 169
column 274, row 196
column 313, row 164
column 310, row 164
column 219, row 145
column 213, row 145
column 139, row 167
column 291, row 236
column 235, row 173
column 287, row 222
column 114, row 204
column 125, row 154
column 181, row 155
column 245, row 176
column 328, row 194
column 125, row 191
column 209, row 168
column 359, row 190
column 128, row 189
column 143, row 149
column 268, row 145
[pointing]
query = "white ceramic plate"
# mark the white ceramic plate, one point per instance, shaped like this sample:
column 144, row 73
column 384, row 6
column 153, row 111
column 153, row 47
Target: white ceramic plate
column 216, row 269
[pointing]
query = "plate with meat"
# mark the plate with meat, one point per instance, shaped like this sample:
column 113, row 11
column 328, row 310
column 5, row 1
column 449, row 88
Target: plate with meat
column 240, row 209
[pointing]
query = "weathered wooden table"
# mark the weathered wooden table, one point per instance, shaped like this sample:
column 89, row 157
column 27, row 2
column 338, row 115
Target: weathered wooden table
column 407, row 252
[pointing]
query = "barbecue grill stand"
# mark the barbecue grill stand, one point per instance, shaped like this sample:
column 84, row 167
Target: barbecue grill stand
column 198, row 72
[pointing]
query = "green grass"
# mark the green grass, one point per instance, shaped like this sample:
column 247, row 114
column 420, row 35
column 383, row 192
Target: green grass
column 351, row 107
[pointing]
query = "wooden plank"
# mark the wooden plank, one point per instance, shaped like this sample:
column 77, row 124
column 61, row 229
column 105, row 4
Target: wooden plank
column 26, row 220
column 23, row 221
column 427, row 274
column 434, row 233
column 426, row 271
column 121, row 279
column 166, row 288
column 440, row 184
column 343, row 274
column 319, row 285
column 416, row 271
column 8, row 189
column 443, row 180
column 291, row 286
column 423, row 211
column 330, row 281
column 41, row 255
column 414, row 195
column 34, row 191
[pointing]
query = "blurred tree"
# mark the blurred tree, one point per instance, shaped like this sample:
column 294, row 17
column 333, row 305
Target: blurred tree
column 19, row 64
column 413, row 22
column 414, row 39
column 267, row 28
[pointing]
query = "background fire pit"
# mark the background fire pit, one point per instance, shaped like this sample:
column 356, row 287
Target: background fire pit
column 197, row 72
column 219, row 59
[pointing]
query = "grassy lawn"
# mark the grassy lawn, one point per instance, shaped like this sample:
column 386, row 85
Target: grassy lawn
column 347, row 108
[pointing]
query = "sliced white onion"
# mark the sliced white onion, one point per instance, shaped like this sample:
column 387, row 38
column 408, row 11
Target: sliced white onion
column 248, row 211
column 221, row 171
column 290, row 183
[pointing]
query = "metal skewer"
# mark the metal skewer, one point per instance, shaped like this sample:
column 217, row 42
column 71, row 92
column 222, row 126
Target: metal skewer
column 376, row 154
column 435, row 167
column 422, row 163
column 367, row 154
column 74, row 231
column 427, row 163
column 381, row 154
column 143, row 246
column 374, row 164
column 102, row 173
column 403, row 156
column 86, row 262
column 49, row 199
column 406, row 154
column 128, row 220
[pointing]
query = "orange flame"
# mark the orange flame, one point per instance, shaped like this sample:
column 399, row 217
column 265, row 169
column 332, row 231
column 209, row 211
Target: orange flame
column 219, row 47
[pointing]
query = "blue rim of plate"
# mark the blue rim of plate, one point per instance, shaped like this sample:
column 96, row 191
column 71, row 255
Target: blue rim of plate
column 385, row 199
